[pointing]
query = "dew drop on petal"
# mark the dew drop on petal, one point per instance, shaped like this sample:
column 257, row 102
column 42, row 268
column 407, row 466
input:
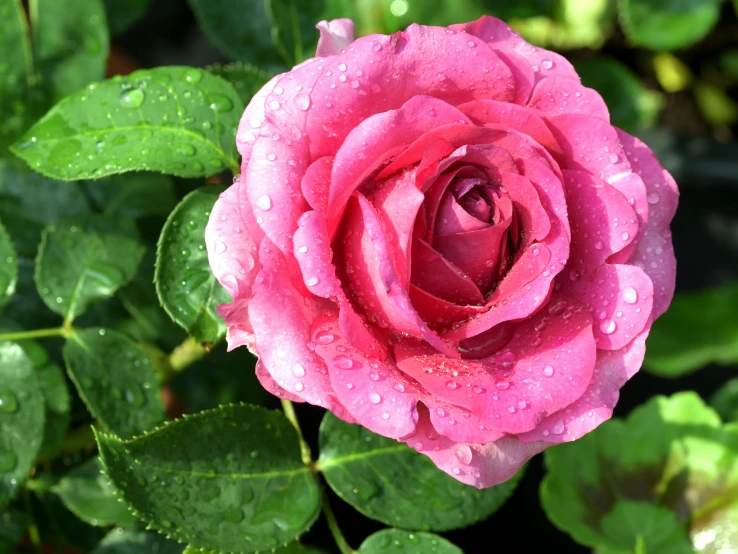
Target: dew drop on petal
column 463, row 453
column 374, row 398
column 608, row 326
column 302, row 101
column 298, row 370
column 548, row 371
column 629, row 295
column 311, row 281
column 264, row 202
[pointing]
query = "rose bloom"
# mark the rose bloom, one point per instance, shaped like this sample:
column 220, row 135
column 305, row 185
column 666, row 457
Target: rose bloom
column 438, row 235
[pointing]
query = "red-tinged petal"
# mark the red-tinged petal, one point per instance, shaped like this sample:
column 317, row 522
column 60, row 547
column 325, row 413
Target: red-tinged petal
column 453, row 219
column 477, row 253
column 546, row 366
column 357, row 332
column 534, row 222
column 375, row 137
column 271, row 385
column 525, row 77
column 316, row 183
column 595, row 406
column 655, row 253
column 499, row 36
column 479, row 465
column 439, row 277
column 238, row 327
column 397, row 202
column 314, row 256
column 457, row 424
column 281, row 320
column 372, row 392
column 374, row 280
column 602, row 222
column 249, row 127
column 556, row 95
column 434, row 153
column 379, row 73
column 550, row 190
column 619, row 297
column 335, row 36
column 438, row 313
column 522, row 119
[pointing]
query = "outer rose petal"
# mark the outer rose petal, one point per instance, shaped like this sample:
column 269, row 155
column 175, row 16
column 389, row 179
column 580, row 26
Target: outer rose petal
column 271, row 385
column 252, row 119
column 480, row 465
column 612, row 370
column 655, row 253
column 335, row 36
column 557, row 95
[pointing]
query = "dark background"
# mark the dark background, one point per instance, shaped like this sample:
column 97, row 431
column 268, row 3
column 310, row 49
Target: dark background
column 705, row 235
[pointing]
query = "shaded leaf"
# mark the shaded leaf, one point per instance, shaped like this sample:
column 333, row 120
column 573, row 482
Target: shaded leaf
column 133, row 194
column 70, row 43
column 58, row 403
column 294, row 30
column 725, row 401
column 21, row 418
column 119, row 541
column 245, row 78
column 13, row 525
column 84, row 260
column 668, row 468
column 176, row 120
column 388, row 481
column 122, row 14
column 228, row 480
column 395, row 541
column 8, row 268
column 186, row 286
column 115, row 379
column 699, row 328
column 88, row 493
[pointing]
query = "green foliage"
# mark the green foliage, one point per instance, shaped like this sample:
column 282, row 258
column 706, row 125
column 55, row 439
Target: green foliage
column 699, row 328
column 186, row 286
column 293, row 30
column 237, row 468
column 87, row 492
column 395, row 541
column 668, row 24
column 13, row 525
column 115, row 379
column 21, row 418
column 133, row 194
column 58, row 405
column 388, row 481
column 666, row 469
column 725, row 401
column 122, row 14
column 185, row 118
column 8, row 268
column 85, row 259
column 70, row 44
column 245, row 78
column 120, row 541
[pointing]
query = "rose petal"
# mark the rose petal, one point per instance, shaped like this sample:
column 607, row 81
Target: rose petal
column 271, row 385
column 457, row 424
column 314, row 256
column 335, row 36
column 358, row 333
column 316, row 183
column 655, row 253
column 545, row 367
column 612, row 370
column 439, row 277
column 453, row 219
column 557, row 95
column 249, row 127
column 374, row 393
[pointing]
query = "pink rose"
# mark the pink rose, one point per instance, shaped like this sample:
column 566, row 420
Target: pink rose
column 438, row 235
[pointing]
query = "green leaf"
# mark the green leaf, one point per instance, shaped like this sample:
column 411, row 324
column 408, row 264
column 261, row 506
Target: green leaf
column 124, row 13
column 84, row 260
column 70, row 42
column 13, row 525
column 186, row 286
column 228, row 480
column 632, row 106
column 60, row 527
column 88, row 493
column 668, row 468
column 395, row 541
column 245, row 78
column 21, row 418
column 667, row 24
column 246, row 37
column 119, row 541
column 388, row 481
column 23, row 215
column 176, row 120
column 8, row 268
column 725, row 401
column 294, row 30
column 58, row 403
column 699, row 328
column 133, row 194
column 292, row 548
column 17, row 70
column 115, row 379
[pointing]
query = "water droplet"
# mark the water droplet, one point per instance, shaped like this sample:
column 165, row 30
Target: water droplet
column 193, row 76
column 477, row 389
column 298, row 371
column 132, row 98
column 385, row 415
column 625, row 236
column 271, row 157
column 558, row 428
column 264, row 202
column 323, row 337
column 507, row 360
column 502, row 385
column 278, row 91
column 135, row 396
column 613, row 158
column 599, row 245
column 186, row 149
column 653, row 197
column 220, row 103
column 302, row 249
column 344, row 362
column 547, row 64
column 629, row 295
column 608, row 326
column 220, row 247
column 302, row 101
column 399, row 387
column 463, row 453
column 274, row 105
column 311, row 281
column 299, row 386
column 548, row 371
column 8, row 401
column 374, row 398
column 452, row 385
column 342, row 67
